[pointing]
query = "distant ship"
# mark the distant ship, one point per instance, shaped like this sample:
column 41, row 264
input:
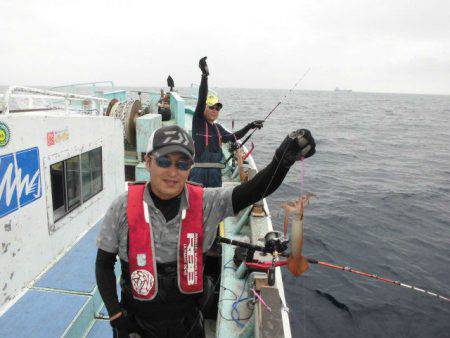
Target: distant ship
column 342, row 90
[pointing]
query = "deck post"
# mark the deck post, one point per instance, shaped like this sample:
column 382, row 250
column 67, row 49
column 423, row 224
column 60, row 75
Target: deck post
column 177, row 106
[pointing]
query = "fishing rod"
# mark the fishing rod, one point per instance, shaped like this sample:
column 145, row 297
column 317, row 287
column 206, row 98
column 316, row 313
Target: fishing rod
column 277, row 243
column 372, row 275
column 270, row 113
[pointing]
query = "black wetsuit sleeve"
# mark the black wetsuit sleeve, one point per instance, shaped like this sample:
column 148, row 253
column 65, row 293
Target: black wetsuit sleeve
column 226, row 135
column 241, row 133
column 202, row 93
column 263, row 184
column 106, row 281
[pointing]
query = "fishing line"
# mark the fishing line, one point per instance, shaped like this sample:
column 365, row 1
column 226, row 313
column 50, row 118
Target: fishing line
column 225, row 266
column 286, row 95
column 207, row 299
column 204, row 304
column 276, row 170
column 273, row 109
column 236, row 303
column 238, row 319
column 302, row 175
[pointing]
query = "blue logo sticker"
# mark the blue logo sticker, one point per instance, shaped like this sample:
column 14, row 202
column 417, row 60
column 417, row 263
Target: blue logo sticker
column 20, row 180
column 4, row 135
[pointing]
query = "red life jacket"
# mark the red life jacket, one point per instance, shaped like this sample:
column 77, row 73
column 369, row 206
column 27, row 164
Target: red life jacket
column 141, row 252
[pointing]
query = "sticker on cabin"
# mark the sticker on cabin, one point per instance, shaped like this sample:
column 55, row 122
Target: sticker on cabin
column 20, row 180
column 57, row 136
column 4, row 134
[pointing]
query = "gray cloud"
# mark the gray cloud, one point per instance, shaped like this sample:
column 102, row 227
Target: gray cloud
column 400, row 46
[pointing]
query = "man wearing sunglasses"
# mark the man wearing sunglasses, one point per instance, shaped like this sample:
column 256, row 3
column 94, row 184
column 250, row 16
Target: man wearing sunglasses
column 209, row 136
column 161, row 230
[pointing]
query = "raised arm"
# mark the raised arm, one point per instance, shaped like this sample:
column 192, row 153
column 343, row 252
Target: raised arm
column 297, row 144
column 253, row 125
column 203, row 90
column 231, row 137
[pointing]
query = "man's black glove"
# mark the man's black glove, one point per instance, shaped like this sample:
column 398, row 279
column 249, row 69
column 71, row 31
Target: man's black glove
column 296, row 145
column 233, row 146
column 256, row 124
column 204, row 66
column 123, row 323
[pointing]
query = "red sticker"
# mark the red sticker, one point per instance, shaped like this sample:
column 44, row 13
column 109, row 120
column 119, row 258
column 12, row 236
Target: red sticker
column 51, row 138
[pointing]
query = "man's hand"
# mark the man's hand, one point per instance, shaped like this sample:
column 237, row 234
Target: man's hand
column 121, row 322
column 170, row 82
column 296, row 145
column 233, row 146
column 256, row 124
column 204, row 66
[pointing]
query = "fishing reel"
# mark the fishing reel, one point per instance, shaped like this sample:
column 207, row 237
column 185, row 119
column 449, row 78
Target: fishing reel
column 275, row 243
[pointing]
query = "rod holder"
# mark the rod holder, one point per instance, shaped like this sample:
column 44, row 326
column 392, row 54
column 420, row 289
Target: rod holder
column 241, row 271
column 242, row 220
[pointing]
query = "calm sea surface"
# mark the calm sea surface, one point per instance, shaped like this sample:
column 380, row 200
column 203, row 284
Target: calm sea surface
column 381, row 174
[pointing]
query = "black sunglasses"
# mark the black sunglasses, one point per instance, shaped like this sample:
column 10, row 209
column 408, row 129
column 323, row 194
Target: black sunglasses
column 214, row 108
column 165, row 162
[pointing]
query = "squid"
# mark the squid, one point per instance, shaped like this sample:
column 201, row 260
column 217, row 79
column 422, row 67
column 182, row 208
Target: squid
column 296, row 263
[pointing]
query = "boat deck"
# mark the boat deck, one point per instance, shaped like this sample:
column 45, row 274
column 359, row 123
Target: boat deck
column 64, row 301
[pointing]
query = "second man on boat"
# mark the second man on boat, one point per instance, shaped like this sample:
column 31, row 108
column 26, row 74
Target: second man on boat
column 208, row 135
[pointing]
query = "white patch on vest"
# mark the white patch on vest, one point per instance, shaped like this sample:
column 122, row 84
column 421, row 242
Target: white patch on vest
column 142, row 282
column 145, row 207
column 141, row 259
column 183, row 214
column 191, row 258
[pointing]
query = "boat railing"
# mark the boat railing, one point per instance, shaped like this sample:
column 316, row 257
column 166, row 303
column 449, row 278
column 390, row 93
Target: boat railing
column 81, row 103
column 73, row 87
column 149, row 98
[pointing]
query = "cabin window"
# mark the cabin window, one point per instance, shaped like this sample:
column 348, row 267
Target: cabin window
column 91, row 173
column 58, row 190
column 75, row 180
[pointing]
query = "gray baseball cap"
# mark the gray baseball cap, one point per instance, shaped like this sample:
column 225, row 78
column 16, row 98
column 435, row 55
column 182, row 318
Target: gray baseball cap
column 171, row 139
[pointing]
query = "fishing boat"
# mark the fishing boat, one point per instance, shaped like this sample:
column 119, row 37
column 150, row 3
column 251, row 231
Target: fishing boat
column 62, row 160
column 337, row 89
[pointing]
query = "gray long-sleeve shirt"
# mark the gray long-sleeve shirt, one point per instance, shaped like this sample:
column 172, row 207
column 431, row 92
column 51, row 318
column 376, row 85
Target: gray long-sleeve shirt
column 217, row 205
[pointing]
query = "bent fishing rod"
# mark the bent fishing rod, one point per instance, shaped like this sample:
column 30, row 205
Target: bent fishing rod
column 270, row 113
column 265, row 266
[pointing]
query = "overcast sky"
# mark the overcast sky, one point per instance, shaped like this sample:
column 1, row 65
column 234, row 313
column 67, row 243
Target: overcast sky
column 376, row 46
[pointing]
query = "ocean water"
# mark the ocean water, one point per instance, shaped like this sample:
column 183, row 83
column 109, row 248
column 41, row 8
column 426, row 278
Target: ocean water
column 381, row 174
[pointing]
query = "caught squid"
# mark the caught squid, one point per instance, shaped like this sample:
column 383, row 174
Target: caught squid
column 296, row 263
